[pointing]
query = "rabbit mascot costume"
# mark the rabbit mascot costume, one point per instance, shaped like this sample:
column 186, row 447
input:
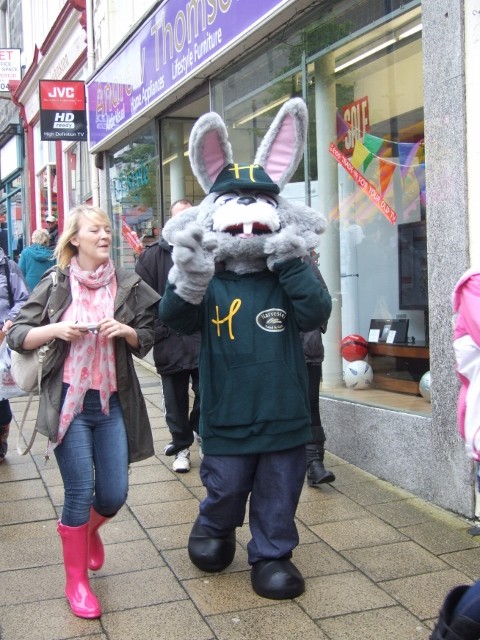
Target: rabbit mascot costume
column 240, row 278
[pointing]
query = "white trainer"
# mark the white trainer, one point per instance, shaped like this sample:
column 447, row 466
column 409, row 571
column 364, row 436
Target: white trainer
column 181, row 464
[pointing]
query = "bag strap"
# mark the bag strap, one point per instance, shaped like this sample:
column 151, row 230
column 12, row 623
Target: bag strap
column 6, row 266
column 42, row 352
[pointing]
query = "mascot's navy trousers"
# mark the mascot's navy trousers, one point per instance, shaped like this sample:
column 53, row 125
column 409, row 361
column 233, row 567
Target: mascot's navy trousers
column 274, row 482
column 469, row 605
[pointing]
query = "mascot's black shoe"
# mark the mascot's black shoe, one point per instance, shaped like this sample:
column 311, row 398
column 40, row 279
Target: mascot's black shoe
column 209, row 553
column 459, row 627
column 277, row 579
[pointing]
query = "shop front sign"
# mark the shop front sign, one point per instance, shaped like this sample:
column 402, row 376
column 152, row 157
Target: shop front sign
column 10, row 67
column 176, row 41
column 62, row 110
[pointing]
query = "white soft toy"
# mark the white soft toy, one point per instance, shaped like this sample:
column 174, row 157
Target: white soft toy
column 239, row 277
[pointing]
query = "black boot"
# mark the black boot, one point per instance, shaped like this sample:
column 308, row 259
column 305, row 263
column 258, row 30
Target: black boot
column 316, row 472
column 210, row 553
column 277, row 579
column 451, row 627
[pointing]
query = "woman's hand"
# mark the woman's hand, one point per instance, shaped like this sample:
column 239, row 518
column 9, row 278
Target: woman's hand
column 66, row 330
column 6, row 326
column 111, row 328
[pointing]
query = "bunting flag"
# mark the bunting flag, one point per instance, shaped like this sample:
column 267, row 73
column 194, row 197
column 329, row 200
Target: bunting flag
column 370, row 149
column 342, row 127
column 406, row 154
column 406, row 151
column 386, row 173
column 373, row 143
column 419, row 170
column 361, row 156
column 366, row 186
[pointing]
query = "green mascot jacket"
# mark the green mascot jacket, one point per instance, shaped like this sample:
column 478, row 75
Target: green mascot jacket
column 253, row 377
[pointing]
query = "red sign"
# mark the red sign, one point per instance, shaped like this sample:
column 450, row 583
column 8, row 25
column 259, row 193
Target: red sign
column 63, row 110
column 131, row 237
column 356, row 116
column 364, row 184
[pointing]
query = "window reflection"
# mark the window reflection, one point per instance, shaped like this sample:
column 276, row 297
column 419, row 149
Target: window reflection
column 364, row 169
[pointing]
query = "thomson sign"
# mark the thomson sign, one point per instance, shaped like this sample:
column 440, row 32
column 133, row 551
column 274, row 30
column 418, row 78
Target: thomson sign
column 175, row 42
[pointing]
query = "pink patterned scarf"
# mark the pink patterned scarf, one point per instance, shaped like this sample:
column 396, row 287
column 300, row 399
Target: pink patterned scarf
column 93, row 295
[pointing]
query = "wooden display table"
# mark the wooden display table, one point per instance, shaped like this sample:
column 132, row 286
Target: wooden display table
column 398, row 366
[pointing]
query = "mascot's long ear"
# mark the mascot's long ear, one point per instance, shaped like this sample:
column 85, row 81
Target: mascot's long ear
column 209, row 149
column 282, row 147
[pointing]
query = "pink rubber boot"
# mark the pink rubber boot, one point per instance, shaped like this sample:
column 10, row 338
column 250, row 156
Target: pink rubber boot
column 96, row 552
column 83, row 601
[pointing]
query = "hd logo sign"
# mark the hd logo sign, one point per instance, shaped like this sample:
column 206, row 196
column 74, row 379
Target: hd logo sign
column 62, row 110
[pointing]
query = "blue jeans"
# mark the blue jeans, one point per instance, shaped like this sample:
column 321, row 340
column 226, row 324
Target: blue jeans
column 274, row 482
column 93, row 461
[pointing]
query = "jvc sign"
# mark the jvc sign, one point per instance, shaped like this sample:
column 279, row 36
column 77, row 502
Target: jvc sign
column 62, row 110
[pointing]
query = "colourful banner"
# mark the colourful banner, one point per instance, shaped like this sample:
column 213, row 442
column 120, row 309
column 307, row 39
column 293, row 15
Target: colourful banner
column 366, row 186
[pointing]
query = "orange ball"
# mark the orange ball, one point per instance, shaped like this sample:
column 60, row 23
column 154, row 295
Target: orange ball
column 353, row 347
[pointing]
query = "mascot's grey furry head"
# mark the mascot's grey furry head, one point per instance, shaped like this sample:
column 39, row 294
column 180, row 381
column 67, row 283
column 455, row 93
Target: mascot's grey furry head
column 243, row 210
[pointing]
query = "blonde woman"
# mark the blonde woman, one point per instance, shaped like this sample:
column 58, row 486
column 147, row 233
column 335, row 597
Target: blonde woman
column 36, row 259
column 91, row 406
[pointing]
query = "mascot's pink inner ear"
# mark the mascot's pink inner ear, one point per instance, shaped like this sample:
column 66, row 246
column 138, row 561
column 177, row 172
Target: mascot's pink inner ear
column 280, row 155
column 213, row 156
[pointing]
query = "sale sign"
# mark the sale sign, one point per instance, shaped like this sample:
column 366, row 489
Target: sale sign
column 62, row 110
column 356, row 116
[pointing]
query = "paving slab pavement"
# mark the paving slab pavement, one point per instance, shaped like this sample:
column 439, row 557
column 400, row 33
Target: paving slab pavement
column 378, row 561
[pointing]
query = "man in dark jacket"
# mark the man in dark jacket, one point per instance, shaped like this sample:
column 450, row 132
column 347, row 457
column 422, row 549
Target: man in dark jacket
column 52, row 226
column 314, row 353
column 175, row 356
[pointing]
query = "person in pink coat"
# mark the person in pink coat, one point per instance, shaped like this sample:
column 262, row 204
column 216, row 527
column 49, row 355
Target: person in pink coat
column 459, row 617
column 466, row 306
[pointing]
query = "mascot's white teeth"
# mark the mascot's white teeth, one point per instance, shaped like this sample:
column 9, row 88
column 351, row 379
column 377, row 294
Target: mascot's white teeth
column 247, row 230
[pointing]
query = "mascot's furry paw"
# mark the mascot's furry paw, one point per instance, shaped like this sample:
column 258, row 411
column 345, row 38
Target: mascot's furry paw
column 193, row 262
column 284, row 245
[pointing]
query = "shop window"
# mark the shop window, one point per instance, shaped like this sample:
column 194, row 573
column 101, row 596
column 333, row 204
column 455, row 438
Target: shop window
column 360, row 72
column 133, row 179
column 11, row 215
column 177, row 178
column 78, row 174
column 47, row 192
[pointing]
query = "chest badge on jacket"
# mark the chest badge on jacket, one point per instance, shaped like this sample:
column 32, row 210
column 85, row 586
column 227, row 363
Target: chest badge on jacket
column 272, row 320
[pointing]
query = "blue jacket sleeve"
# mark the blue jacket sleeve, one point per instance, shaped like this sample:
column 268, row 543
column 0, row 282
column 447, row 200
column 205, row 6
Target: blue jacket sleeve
column 19, row 290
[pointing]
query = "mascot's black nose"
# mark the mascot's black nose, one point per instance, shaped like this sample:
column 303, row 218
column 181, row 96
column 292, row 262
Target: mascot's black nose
column 246, row 200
